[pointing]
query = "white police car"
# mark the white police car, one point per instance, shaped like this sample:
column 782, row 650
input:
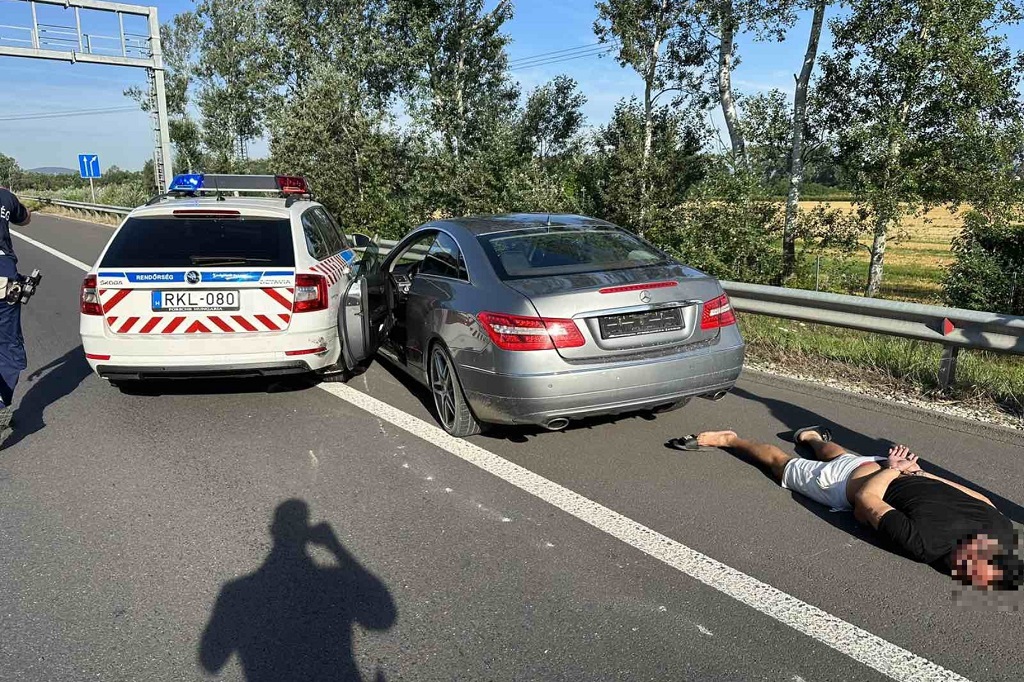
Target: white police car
column 207, row 282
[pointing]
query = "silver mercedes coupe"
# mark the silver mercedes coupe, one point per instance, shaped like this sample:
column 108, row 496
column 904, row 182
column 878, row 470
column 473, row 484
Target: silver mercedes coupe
column 539, row 319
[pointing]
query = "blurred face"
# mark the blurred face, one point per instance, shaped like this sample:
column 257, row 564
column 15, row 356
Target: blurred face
column 972, row 562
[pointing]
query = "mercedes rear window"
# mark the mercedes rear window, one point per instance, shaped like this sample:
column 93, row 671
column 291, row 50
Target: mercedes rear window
column 179, row 242
column 552, row 251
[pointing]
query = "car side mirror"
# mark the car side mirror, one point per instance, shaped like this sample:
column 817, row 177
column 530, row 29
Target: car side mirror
column 361, row 241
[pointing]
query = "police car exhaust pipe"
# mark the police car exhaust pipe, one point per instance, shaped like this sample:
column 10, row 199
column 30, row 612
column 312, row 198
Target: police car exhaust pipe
column 716, row 396
column 556, row 424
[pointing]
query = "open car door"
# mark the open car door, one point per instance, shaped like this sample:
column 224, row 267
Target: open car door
column 363, row 312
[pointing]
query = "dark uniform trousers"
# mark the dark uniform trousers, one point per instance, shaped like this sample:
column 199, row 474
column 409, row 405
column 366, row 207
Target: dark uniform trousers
column 12, row 343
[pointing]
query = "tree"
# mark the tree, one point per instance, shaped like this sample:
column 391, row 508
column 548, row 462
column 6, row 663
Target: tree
column 988, row 273
column 799, row 123
column 180, row 41
column 551, row 122
column 656, row 39
column 334, row 70
column 635, row 192
column 463, row 107
column 719, row 23
column 10, row 172
column 768, row 127
column 233, row 81
column 355, row 162
column 922, row 96
column 460, row 88
column 360, row 40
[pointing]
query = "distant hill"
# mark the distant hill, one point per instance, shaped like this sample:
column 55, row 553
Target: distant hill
column 53, row 170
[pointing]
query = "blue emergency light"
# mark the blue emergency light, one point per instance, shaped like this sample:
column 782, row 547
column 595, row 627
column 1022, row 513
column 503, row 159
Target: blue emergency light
column 196, row 183
column 187, row 182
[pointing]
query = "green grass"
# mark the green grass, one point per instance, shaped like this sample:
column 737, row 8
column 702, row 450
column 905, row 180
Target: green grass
column 988, row 376
column 910, row 275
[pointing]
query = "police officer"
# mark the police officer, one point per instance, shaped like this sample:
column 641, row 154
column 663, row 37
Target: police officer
column 12, row 343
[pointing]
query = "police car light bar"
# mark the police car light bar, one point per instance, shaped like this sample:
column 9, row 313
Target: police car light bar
column 200, row 183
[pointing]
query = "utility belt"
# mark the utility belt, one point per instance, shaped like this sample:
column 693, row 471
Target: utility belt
column 19, row 289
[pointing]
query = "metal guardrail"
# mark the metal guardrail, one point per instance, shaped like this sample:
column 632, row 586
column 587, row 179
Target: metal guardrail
column 954, row 328
column 948, row 326
column 82, row 205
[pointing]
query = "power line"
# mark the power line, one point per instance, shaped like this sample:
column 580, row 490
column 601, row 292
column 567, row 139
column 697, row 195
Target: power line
column 38, row 115
column 556, row 60
column 546, row 54
column 577, row 53
column 559, row 58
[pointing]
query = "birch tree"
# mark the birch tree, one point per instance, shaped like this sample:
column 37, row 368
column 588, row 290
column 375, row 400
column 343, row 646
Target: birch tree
column 658, row 40
column 796, row 168
column 920, row 97
column 721, row 22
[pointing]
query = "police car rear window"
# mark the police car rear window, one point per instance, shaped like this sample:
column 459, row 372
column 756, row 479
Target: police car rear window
column 201, row 241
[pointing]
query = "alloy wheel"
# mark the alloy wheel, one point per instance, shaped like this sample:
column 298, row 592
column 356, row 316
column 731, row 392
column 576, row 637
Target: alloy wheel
column 443, row 388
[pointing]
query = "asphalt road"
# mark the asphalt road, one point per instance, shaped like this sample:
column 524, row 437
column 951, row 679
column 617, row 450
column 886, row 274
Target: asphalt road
column 132, row 524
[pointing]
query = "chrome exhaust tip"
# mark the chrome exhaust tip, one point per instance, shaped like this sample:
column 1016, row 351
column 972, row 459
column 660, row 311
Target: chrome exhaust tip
column 556, row 424
column 716, row 396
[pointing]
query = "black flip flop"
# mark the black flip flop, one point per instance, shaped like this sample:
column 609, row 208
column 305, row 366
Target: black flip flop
column 686, row 443
column 823, row 431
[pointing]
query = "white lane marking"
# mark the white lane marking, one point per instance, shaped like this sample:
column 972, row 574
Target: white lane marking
column 844, row 637
column 53, row 252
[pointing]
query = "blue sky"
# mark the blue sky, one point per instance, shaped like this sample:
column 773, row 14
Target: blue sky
column 125, row 139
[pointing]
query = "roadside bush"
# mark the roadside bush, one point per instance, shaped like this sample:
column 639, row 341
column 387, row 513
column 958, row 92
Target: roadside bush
column 732, row 229
column 728, row 227
column 831, row 234
column 129, row 194
column 988, row 273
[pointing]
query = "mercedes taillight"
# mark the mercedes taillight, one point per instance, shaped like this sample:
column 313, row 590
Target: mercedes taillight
column 515, row 332
column 717, row 313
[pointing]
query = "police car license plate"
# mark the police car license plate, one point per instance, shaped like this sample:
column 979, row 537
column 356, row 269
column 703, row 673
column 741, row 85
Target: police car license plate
column 194, row 300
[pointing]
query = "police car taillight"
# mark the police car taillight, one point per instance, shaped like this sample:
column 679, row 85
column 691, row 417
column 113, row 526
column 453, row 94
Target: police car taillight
column 90, row 304
column 310, row 293
column 292, row 184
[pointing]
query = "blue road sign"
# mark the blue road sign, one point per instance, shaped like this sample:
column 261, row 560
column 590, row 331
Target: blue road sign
column 89, row 165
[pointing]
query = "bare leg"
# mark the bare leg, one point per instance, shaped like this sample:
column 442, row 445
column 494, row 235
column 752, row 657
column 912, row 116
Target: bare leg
column 768, row 456
column 823, row 452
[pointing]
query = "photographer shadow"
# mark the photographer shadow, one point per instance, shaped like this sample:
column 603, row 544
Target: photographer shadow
column 292, row 619
column 49, row 384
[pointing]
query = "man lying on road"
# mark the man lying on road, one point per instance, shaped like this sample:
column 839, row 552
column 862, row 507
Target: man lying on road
column 922, row 516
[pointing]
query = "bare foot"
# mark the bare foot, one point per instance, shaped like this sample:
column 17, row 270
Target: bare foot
column 717, row 439
column 808, row 436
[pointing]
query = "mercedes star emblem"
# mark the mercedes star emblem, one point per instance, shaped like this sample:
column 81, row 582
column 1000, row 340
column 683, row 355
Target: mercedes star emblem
column 645, row 297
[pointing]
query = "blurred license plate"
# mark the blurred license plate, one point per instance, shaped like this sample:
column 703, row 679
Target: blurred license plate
column 636, row 324
column 198, row 300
